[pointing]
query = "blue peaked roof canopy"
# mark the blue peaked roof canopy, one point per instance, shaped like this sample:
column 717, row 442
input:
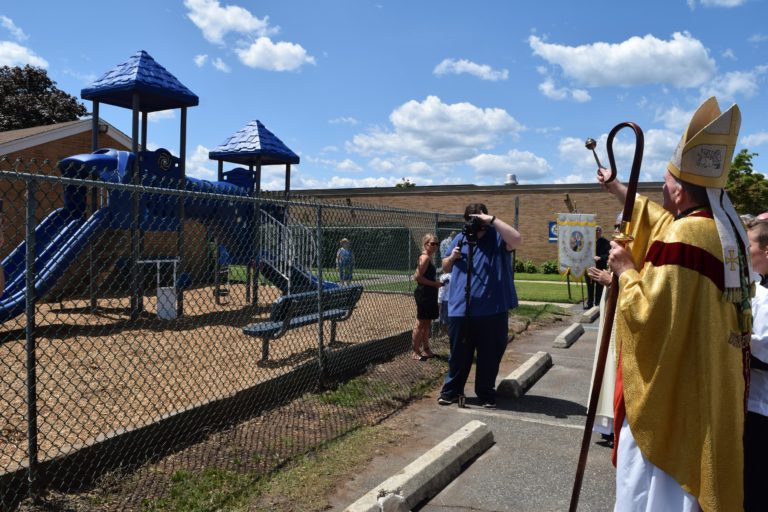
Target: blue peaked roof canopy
column 254, row 144
column 157, row 88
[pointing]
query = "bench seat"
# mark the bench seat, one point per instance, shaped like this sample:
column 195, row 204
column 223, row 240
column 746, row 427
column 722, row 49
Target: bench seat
column 297, row 310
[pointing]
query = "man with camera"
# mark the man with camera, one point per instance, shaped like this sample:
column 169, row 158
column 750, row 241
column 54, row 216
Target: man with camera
column 482, row 293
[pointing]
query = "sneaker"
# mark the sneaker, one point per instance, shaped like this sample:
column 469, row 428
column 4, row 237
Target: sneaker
column 489, row 404
column 447, row 401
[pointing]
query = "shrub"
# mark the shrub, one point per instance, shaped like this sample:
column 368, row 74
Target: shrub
column 530, row 267
column 519, row 266
column 549, row 267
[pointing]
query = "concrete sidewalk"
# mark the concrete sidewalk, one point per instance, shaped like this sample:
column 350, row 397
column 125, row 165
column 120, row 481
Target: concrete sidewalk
column 532, row 463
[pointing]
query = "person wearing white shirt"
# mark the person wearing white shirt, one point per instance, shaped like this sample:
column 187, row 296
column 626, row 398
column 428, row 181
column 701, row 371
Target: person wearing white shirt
column 756, row 424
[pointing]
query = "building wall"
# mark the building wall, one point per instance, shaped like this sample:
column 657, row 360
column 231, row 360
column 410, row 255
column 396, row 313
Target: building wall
column 538, row 205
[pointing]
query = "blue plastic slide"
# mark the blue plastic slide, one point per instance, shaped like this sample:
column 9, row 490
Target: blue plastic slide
column 59, row 239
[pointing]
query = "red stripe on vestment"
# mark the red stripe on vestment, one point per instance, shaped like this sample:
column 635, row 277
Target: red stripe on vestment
column 690, row 257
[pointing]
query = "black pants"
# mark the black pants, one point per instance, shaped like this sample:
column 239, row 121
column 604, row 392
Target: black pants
column 594, row 291
column 755, row 455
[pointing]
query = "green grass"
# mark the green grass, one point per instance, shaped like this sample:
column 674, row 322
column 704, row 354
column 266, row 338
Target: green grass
column 207, row 490
column 356, row 392
column 546, row 292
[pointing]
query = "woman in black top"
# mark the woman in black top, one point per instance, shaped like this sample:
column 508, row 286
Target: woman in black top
column 426, row 297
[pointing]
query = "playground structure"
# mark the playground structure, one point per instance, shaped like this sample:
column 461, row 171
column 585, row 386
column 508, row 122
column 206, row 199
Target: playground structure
column 261, row 238
column 107, row 377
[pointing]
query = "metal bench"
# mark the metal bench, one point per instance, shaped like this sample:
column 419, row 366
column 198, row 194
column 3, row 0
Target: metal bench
column 297, row 310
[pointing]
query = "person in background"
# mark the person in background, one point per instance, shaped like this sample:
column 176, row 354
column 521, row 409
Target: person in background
column 594, row 288
column 425, row 295
column 442, row 299
column 345, row 261
column 683, row 325
column 446, row 244
column 756, row 423
column 483, row 324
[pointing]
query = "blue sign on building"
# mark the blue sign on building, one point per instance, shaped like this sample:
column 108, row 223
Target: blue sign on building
column 553, row 231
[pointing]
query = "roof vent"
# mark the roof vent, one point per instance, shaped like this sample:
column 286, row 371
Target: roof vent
column 511, row 180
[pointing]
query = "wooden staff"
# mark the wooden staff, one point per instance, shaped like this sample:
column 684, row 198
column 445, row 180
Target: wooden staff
column 610, row 305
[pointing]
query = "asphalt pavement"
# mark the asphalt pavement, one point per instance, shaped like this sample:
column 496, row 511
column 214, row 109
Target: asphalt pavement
column 532, row 462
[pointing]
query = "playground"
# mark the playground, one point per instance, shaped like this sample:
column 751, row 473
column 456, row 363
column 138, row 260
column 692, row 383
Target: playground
column 120, row 376
column 145, row 310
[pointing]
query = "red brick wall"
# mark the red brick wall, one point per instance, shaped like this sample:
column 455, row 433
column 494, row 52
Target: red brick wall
column 538, row 206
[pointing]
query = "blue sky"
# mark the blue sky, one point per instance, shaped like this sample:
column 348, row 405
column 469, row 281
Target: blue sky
column 438, row 92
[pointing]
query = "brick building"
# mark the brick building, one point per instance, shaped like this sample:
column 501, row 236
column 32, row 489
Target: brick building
column 538, row 205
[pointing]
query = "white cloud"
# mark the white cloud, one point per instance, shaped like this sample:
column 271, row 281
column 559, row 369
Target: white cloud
column 200, row 60
column 482, row 71
column 86, row 78
column 281, row 56
column 728, row 54
column 12, row 54
column 380, row 164
column 343, row 120
column 348, row 165
column 161, row 115
column 551, row 91
column 419, row 168
column 329, row 149
column 735, row 84
column 683, row 61
column 435, row 131
column 755, row 139
column 722, row 3
column 216, row 21
column 220, row 65
column 674, row 118
column 344, row 182
column 8, row 24
column 758, row 38
column 197, row 164
column 526, row 165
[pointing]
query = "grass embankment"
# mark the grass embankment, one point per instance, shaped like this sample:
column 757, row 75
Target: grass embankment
column 304, row 483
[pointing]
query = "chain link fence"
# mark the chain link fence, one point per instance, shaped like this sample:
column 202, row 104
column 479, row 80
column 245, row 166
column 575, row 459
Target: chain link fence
column 147, row 332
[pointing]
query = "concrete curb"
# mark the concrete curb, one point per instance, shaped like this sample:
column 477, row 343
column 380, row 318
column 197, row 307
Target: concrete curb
column 566, row 338
column 519, row 381
column 590, row 315
column 428, row 474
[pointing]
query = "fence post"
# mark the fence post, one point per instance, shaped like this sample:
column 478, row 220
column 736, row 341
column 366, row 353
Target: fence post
column 437, row 255
column 320, row 343
column 94, row 175
column 30, row 342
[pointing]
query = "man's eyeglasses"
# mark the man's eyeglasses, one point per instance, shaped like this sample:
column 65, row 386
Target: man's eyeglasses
column 431, row 243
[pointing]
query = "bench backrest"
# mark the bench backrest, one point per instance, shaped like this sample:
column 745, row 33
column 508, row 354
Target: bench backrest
column 290, row 306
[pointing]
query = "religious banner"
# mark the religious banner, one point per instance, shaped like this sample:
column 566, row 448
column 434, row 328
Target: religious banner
column 575, row 242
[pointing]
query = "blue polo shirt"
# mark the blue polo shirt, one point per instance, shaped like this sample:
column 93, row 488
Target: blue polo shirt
column 493, row 281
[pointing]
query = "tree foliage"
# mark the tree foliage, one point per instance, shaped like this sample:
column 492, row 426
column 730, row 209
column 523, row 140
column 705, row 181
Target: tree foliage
column 31, row 99
column 747, row 189
column 405, row 183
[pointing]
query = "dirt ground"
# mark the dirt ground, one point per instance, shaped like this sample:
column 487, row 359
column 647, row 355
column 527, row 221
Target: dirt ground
column 99, row 373
column 271, row 440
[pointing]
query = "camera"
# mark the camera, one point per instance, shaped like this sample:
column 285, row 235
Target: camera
column 472, row 227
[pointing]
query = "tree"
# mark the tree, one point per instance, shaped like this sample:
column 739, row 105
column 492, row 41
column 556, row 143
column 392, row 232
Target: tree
column 405, row 183
column 31, row 99
column 747, row 189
